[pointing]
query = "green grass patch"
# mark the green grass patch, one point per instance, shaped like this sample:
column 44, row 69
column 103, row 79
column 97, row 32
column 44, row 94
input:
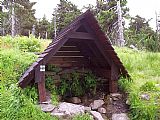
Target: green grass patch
column 145, row 74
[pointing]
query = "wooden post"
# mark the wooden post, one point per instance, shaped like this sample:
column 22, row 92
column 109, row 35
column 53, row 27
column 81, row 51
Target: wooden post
column 113, row 83
column 40, row 79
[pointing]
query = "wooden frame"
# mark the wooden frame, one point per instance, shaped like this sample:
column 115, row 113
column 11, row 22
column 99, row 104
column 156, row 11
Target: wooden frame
column 82, row 43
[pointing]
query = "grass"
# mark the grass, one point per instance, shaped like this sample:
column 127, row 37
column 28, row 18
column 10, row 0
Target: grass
column 145, row 74
column 16, row 54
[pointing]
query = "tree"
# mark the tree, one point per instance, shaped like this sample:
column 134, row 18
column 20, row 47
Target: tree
column 107, row 16
column 65, row 13
column 42, row 27
column 24, row 16
column 26, row 20
column 141, row 35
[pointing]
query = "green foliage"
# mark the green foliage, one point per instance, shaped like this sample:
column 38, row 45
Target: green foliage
column 141, row 35
column 142, row 67
column 142, row 109
column 124, row 84
column 82, row 117
column 15, row 103
column 24, row 16
column 90, row 82
column 64, row 87
column 77, row 85
column 66, row 12
column 31, row 94
column 13, row 64
column 26, row 44
column 52, row 89
column 107, row 16
column 15, row 106
column 148, row 86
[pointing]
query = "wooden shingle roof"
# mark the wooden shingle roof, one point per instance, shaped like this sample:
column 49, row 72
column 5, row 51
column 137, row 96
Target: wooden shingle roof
column 95, row 34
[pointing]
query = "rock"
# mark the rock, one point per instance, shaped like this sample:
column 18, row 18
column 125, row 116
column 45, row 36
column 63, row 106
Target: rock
column 75, row 100
column 71, row 109
column 116, row 96
column 59, row 114
column 133, row 47
column 145, row 96
column 127, row 102
column 87, row 109
column 96, row 115
column 47, row 107
column 102, row 110
column 96, row 104
column 121, row 116
column 84, row 99
column 115, row 99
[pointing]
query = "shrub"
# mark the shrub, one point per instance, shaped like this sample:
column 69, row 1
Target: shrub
column 13, row 64
column 26, row 44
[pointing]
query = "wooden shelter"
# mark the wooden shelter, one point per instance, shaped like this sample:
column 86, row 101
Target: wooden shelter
column 81, row 44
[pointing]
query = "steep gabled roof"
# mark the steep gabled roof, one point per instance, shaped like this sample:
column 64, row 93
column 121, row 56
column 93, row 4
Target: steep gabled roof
column 85, row 22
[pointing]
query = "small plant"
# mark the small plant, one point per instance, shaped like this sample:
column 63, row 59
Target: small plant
column 52, row 88
column 64, row 87
column 76, row 85
column 125, row 84
column 90, row 82
column 31, row 93
column 148, row 86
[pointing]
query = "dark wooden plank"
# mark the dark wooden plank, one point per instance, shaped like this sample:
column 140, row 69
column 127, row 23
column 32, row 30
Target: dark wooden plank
column 81, row 35
column 68, row 54
column 40, row 79
column 67, row 59
column 69, row 48
column 42, row 55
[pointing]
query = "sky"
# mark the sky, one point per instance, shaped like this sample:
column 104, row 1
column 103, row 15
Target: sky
column 144, row 8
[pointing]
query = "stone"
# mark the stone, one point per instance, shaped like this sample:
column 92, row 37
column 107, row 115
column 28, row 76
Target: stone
column 102, row 110
column 47, row 107
column 96, row 115
column 145, row 96
column 127, row 102
column 75, row 100
column 60, row 115
column 87, row 109
column 121, row 116
column 133, row 47
column 96, row 104
column 116, row 96
column 71, row 109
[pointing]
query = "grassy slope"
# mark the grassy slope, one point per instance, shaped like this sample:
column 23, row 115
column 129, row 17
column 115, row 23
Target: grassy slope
column 142, row 66
column 15, row 57
column 145, row 73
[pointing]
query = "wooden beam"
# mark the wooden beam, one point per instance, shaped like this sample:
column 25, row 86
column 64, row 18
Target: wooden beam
column 113, row 83
column 67, row 48
column 40, row 79
column 67, row 59
column 68, row 54
column 81, row 35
